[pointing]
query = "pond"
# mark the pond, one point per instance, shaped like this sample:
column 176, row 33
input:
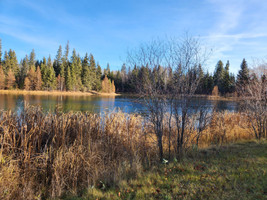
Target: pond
column 97, row 104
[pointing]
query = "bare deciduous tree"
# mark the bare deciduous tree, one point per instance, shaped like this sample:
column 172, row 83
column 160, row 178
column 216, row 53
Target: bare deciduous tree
column 254, row 98
column 183, row 56
column 151, row 56
column 188, row 55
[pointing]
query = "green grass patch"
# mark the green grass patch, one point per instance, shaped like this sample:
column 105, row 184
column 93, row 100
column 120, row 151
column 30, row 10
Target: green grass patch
column 237, row 171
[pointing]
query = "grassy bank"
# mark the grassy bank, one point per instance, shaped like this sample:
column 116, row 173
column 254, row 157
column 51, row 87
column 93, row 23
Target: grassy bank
column 237, row 171
column 50, row 155
column 55, row 93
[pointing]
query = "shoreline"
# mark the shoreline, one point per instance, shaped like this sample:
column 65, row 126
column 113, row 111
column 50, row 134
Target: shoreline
column 95, row 93
column 204, row 96
column 56, row 93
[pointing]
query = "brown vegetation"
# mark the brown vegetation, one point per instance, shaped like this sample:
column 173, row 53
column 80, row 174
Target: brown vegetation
column 108, row 86
column 49, row 154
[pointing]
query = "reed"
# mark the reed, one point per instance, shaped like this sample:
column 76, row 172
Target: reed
column 45, row 155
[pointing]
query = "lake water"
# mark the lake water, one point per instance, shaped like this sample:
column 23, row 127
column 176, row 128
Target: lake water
column 96, row 103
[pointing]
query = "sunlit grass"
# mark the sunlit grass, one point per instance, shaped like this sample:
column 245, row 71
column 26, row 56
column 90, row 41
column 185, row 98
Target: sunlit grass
column 236, row 171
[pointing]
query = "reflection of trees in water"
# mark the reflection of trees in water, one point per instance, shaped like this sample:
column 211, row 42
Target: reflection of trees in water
column 107, row 104
column 97, row 103
column 10, row 102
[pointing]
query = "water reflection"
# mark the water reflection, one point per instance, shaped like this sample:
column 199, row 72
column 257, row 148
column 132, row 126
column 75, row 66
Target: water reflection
column 97, row 103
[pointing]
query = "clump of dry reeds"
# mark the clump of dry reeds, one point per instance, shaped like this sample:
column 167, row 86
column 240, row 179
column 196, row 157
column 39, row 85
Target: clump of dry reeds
column 49, row 154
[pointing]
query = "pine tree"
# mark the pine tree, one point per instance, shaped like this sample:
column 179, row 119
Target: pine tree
column 243, row 74
column 2, row 78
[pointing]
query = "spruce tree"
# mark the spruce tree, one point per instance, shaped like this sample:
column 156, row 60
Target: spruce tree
column 243, row 74
column 226, row 79
column 32, row 59
column 219, row 76
column 38, row 85
column 86, row 79
column 67, row 49
column 58, row 61
column 98, row 85
column 92, row 69
column 69, row 84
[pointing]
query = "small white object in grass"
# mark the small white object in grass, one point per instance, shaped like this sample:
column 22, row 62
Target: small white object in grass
column 164, row 161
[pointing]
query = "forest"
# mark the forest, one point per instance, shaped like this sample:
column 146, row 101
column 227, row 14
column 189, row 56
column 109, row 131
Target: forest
column 76, row 73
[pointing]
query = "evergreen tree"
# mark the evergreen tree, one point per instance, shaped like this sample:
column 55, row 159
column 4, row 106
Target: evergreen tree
column 200, row 89
column 226, row 79
column 243, row 74
column 219, row 76
column 86, row 78
column 49, row 62
column 232, row 83
column 69, row 83
column 58, row 61
column 92, row 69
column 98, row 85
column 32, row 59
column 61, row 78
column 25, row 66
column 38, row 85
column 107, row 70
column 67, row 49
column 2, row 78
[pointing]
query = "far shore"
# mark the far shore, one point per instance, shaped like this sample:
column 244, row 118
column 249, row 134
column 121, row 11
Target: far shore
column 57, row 93
column 95, row 93
column 205, row 96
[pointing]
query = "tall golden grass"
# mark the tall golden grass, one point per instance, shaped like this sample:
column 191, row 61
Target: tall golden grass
column 49, row 154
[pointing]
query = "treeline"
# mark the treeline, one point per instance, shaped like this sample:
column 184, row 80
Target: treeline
column 62, row 73
column 226, row 82
column 84, row 74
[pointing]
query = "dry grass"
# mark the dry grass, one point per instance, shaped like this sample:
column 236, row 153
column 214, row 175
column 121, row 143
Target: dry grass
column 56, row 93
column 49, row 154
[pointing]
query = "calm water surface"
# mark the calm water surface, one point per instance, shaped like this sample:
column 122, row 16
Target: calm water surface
column 96, row 103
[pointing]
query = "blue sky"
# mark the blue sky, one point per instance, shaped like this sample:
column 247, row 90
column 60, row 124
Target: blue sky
column 234, row 29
